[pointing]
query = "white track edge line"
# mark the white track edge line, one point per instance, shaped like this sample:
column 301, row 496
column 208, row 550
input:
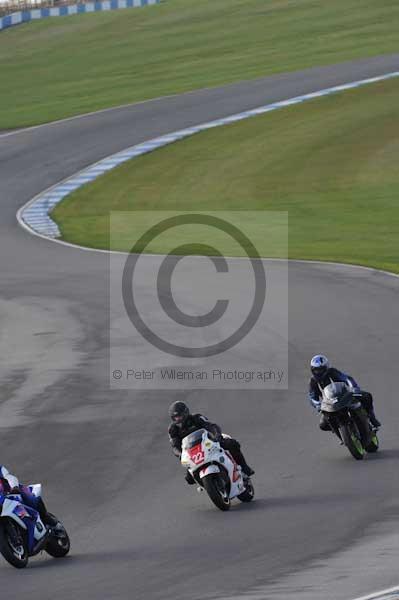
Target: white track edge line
column 376, row 595
column 249, row 114
column 382, row 595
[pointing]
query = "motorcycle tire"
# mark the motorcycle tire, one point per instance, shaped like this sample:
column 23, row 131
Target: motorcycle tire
column 58, row 544
column 363, row 426
column 351, row 441
column 16, row 559
column 214, row 485
column 248, row 494
column 374, row 444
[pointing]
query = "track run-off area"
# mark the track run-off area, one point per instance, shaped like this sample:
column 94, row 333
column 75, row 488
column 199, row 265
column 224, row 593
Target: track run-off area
column 322, row 526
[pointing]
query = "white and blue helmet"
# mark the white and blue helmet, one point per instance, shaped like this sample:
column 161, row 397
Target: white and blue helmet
column 319, row 365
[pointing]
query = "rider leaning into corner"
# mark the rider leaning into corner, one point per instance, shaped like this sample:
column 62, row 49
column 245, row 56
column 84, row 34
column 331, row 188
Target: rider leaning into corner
column 9, row 484
column 183, row 423
column 322, row 375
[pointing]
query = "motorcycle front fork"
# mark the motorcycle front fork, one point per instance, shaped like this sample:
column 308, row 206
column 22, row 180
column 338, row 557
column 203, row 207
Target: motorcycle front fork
column 14, row 535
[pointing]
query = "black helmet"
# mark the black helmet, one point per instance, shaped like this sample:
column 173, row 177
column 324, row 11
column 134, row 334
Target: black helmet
column 179, row 412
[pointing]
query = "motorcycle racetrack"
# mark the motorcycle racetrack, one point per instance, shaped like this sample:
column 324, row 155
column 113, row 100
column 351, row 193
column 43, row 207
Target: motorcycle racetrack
column 322, row 526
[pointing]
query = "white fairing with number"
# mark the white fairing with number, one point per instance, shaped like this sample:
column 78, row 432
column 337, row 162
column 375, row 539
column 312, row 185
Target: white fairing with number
column 40, row 529
column 207, row 456
column 8, row 510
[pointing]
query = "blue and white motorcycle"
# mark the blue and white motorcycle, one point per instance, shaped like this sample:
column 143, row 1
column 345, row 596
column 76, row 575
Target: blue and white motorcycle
column 23, row 534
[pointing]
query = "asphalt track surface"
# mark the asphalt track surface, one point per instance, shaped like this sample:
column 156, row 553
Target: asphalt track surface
column 137, row 530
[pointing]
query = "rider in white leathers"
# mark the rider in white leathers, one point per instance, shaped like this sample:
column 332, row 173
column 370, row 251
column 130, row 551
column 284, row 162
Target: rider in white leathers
column 10, row 484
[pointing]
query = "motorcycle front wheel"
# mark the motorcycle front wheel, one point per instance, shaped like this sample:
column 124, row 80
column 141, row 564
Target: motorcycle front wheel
column 352, row 441
column 216, row 489
column 13, row 544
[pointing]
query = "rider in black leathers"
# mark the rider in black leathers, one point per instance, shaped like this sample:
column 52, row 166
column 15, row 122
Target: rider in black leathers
column 184, row 423
column 322, row 375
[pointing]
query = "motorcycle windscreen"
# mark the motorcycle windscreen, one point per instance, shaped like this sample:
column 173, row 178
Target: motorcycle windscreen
column 193, row 439
column 336, row 396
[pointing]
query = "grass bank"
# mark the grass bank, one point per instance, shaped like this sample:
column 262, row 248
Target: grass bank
column 331, row 163
column 65, row 66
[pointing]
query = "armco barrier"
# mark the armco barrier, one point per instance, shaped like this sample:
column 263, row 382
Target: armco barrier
column 72, row 9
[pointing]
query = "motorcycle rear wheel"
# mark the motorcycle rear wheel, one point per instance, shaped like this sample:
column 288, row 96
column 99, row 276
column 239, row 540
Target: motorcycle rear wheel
column 214, row 485
column 374, row 444
column 368, row 437
column 58, row 544
column 17, row 557
column 352, row 441
column 248, row 494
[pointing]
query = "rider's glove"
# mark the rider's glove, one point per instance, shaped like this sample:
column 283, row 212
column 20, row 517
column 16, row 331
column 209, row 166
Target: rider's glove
column 215, row 435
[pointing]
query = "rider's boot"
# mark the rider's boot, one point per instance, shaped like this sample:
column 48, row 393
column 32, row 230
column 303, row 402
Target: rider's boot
column 234, row 449
column 46, row 517
column 246, row 469
column 373, row 419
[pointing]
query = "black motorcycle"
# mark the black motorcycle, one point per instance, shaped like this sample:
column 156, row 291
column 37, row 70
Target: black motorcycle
column 348, row 419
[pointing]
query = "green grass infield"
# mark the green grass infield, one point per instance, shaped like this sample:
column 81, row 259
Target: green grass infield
column 331, row 163
column 61, row 67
